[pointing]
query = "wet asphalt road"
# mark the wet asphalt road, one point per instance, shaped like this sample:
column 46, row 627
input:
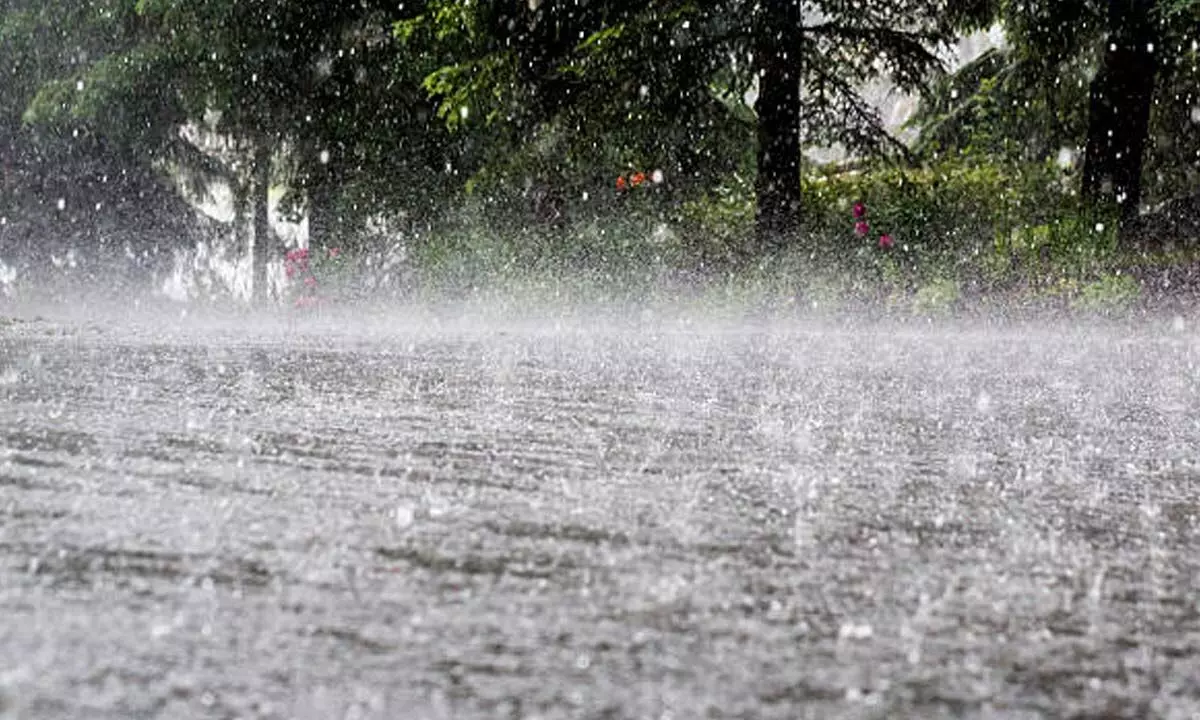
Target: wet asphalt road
column 652, row 519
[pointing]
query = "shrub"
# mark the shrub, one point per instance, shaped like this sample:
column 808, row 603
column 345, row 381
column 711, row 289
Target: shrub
column 716, row 228
column 937, row 297
column 1072, row 247
column 943, row 218
column 1110, row 292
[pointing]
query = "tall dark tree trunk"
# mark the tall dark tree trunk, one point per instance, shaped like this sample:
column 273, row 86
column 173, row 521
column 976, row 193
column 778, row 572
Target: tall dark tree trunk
column 777, row 56
column 1119, row 112
column 242, row 240
column 261, row 185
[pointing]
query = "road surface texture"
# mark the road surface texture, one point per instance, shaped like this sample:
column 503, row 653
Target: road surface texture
column 646, row 519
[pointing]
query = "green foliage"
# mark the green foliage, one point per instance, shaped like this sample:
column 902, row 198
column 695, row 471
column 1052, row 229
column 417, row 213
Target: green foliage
column 1067, row 248
column 937, row 297
column 716, row 225
column 560, row 92
column 78, row 149
column 1111, row 292
column 1028, row 101
column 964, row 228
column 614, row 256
column 1171, row 9
column 854, row 44
column 942, row 218
column 489, row 133
column 994, row 107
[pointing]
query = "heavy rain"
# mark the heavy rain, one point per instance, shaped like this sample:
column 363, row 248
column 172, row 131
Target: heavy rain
column 582, row 359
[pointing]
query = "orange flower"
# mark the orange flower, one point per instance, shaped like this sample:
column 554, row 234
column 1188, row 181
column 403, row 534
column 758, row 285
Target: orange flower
column 620, row 182
column 637, row 178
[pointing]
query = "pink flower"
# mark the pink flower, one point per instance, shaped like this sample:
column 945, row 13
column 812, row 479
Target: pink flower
column 310, row 281
column 860, row 211
column 334, row 252
column 861, row 227
column 886, row 242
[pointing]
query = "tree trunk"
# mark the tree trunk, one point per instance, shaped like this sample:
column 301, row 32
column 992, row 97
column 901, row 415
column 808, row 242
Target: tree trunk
column 242, row 240
column 1121, row 95
column 777, row 56
column 261, row 185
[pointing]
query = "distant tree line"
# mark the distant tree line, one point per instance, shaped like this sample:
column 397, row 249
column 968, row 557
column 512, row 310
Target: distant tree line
column 382, row 108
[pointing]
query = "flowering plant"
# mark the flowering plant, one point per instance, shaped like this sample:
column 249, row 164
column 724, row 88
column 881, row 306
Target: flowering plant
column 862, row 228
column 638, row 179
column 306, row 272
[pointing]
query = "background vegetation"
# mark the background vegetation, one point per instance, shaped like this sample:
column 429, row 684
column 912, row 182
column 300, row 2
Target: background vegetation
column 629, row 145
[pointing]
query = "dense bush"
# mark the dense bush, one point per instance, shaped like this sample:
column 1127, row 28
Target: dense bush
column 941, row 219
column 955, row 231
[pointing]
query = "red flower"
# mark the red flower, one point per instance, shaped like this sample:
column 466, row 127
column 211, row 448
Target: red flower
column 861, row 227
column 886, row 242
column 620, row 182
column 860, row 211
column 637, row 178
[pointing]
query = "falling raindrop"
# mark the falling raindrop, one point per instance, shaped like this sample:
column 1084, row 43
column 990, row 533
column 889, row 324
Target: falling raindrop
column 404, row 515
column 855, row 631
